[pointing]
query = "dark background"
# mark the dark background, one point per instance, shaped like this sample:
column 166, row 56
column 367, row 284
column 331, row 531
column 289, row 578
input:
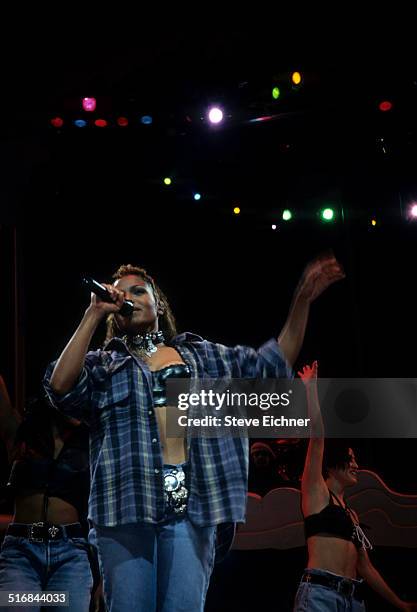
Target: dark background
column 82, row 201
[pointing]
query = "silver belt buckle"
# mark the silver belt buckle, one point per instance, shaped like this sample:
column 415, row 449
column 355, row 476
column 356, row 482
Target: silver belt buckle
column 176, row 493
column 31, row 534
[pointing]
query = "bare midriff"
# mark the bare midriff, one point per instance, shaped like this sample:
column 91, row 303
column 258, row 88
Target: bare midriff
column 174, row 450
column 29, row 508
column 333, row 555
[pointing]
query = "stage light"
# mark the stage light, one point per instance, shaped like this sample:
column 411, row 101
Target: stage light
column 146, row 120
column 57, row 122
column 274, row 227
column 197, row 196
column 236, row 210
column 80, row 123
column 167, row 181
column 384, row 106
column 327, row 214
column 215, row 115
column 276, row 93
column 296, row 78
column 287, row 215
column 122, row 121
column 373, row 222
column 89, row 104
column 413, row 211
column 100, row 123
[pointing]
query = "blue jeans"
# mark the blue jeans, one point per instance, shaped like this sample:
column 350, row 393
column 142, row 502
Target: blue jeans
column 148, row 568
column 56, row 565
column 317, row 598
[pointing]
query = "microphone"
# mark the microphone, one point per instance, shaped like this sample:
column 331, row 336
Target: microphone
column 127, row 307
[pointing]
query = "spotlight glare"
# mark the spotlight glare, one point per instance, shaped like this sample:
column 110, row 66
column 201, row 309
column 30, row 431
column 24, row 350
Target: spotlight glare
column 167, row 180
column 274, row 227
column 373, row 222
column 80, row 123
column 89, row 104
column 287, row 215
column 236, row 210
column 413, row 211
column 215, row 115
column 197, row 196
column 260, row 119
column 146, row 120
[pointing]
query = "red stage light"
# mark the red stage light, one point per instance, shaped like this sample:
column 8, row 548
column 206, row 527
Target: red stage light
column 386, row 105
column 122, row 121
column 57, row 122
column 100, row 122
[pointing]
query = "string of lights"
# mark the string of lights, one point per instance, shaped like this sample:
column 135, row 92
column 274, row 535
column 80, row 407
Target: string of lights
column 89, row 113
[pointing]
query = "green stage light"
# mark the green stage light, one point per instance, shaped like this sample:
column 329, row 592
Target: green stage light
column 327, row 214
column 276, row 93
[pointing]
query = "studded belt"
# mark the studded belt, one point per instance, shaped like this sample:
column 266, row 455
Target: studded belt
column 41, row 532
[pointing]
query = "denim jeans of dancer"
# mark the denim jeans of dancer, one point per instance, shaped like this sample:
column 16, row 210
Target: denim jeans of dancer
column 149, row 568
column 317, row 598
column 56, row 565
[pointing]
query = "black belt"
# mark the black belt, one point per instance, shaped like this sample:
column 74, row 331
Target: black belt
column 344, row 586
column 41, row 532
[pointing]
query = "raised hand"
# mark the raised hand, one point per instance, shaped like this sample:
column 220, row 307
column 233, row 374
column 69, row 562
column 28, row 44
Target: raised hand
column 319, row 274
column 105, row 308
column 309, row 373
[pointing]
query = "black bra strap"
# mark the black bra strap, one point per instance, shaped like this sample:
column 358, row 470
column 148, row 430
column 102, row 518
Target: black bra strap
column 345, row 507
column 334, row 497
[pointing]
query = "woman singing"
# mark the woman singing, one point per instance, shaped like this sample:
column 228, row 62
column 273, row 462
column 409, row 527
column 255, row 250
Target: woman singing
column 156, row 502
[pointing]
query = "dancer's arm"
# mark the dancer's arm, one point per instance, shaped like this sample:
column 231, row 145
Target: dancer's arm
column 313, row 487
column 374, row 579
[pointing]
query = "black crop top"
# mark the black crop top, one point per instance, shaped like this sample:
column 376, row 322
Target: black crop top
column 337, row 521
column 159, row 377
column 66, row 477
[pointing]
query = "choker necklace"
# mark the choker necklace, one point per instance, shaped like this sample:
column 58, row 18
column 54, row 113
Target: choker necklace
column 144, row 344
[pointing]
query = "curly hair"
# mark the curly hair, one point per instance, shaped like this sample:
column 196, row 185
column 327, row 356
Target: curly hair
column 166, row 320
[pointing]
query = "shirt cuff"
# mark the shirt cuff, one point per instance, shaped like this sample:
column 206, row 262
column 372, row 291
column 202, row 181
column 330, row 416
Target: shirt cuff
column 71, row 403
column 275, row 359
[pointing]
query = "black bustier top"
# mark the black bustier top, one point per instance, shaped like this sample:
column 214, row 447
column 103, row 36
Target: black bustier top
column 159, row 377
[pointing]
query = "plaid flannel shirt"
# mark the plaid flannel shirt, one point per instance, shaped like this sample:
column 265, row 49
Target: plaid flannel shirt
column 114, row 396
